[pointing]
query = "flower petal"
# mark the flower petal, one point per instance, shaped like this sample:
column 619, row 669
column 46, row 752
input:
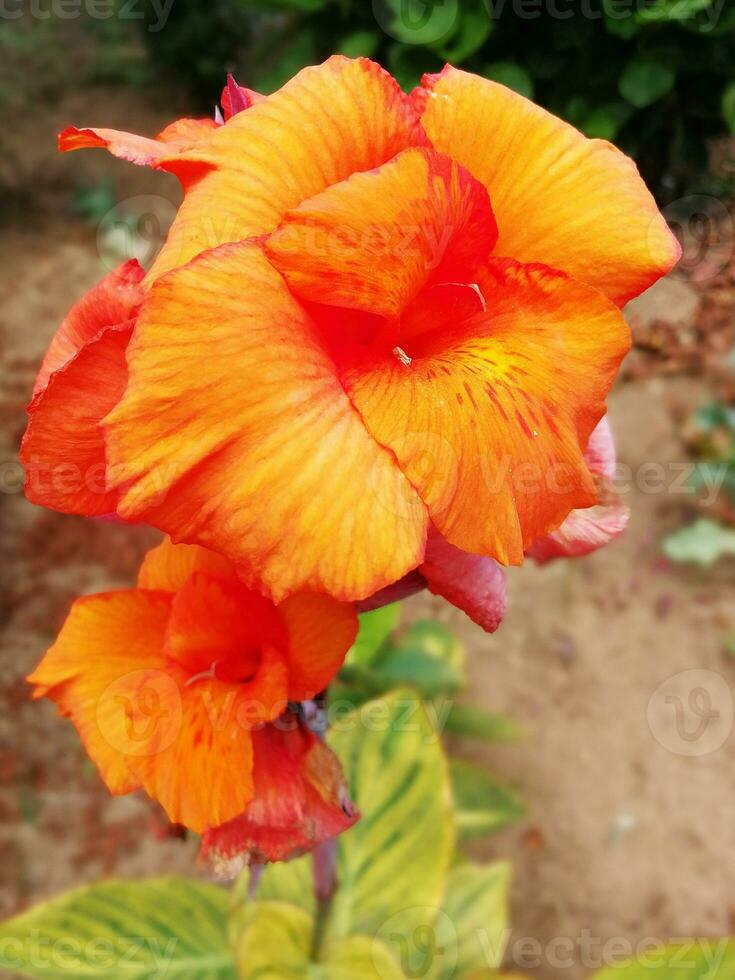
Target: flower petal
column 472, row 583
column 63, row 449
column 107, row 656
column 168, row 566
column 236, row 98
column 325, row 124
column 488, row 417
column 321, row 631
column 300, row 800
column 201, row 771
column 584, row 530
column 141, row 150
column 81, row 378
column 235, row 425
column 600, row 452
column 588, row 529
column 374, row 240
column 576, row 204
column 113, row 301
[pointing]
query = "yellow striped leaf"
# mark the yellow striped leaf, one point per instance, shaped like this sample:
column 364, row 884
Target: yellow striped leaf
column 276, row 944
column 472, row 930
column 696, row 959
column 172, row 927
column 393, row 862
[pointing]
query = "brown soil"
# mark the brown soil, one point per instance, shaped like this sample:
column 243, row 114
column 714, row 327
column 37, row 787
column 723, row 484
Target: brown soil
column 625, row 838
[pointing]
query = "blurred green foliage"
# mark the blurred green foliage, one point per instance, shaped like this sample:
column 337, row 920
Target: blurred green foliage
column 426, row 660
column 705, row 541
column 655, row 76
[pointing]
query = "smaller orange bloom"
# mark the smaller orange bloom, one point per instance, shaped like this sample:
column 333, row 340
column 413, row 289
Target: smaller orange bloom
column 167, row 682
column 300, row 800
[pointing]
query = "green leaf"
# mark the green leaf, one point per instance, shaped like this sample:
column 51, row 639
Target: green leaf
column 728, row 107
column 276, row 944
column 357, row 958
column 698, row 959
column 300, row 50
column 306, row 6
column 415, row 22
column 700, row 543
column 172, row 927
column 426, row 656
column 466, row 720
column 474, row 920
column 510, row 74
column 620, row 23
column 282, row 881
column 360, row 44
column 392, row 863
column 645, row 81
column 474, row 30
column 670, row 10
column 375, row 628
column 604, row 122
column 481, row 804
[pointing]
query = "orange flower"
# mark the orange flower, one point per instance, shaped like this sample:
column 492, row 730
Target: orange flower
column 300, row 800
column 166, row 682
column 378, row 320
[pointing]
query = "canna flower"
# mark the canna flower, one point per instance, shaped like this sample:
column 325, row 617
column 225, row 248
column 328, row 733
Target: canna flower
column 300, row 801
column 167, row 683
column 382, row 327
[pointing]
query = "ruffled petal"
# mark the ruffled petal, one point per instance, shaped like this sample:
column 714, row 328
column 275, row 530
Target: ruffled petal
column 221, row 628
column 600, row 453
column 63, row 448
column 321, row 631
column 169, row 566
column 106, row 671
column 113, row 301
column 328, row 122
column 235, row 425
column 584, row 530
column 300, row 800
column 472, row 583
column 142, row 150
column 374, row 240
column 200, row 771
column 588, row 529
column 81, row 378
column 576, row 204
column 487, row 416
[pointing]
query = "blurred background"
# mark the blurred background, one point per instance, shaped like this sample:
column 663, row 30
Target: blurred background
column 620, row 667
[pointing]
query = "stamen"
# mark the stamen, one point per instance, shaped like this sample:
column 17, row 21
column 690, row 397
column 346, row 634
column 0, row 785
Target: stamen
column 209, row 672
column 402, row 356
column 473, row 285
